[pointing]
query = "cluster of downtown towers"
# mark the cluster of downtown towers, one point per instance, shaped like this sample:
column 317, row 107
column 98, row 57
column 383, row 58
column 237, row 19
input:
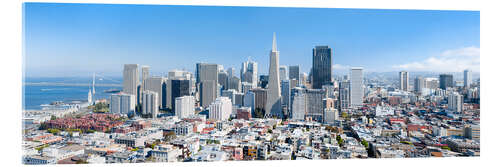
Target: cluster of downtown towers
column 280, row 94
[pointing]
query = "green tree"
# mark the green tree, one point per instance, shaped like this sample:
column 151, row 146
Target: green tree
column 53, row 131
column 345, row 115
column 340, row 141
column 53, row 117
column 365, row 143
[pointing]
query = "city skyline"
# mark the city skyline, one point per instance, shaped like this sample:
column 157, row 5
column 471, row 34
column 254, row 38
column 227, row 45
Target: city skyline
column 101, row 39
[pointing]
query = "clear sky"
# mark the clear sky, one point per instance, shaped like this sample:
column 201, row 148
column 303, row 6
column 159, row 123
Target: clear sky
column 78, row 39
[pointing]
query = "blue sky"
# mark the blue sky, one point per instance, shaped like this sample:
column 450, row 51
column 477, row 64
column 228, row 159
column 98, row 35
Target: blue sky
column 78, row 39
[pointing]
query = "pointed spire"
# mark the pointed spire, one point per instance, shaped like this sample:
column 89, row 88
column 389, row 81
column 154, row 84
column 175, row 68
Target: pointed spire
column 275, row 48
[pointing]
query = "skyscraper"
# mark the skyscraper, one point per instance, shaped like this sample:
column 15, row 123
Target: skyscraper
column 155, row 84
column 419, row 84
column 445, row 80
column 206, row 71
column 184, row 106
column 467, row 78
column 285, row 93
column 208, row 92
column 344, row 94
column 144, row 76
column 294, row 72
column 322, row 66
column 273, row 106
column 260, row 97
column 248, row 73
column 298, row 103
column 234, row 83
column 314, row 104
column 179, row 88
column 207, row 80
column 131, row 80
column 356, row 86
column 283, row 73
column 455, row 102
column 150, row 103
column 404, row 80
column 223, row 79
column 231, row 72
column 249, row 100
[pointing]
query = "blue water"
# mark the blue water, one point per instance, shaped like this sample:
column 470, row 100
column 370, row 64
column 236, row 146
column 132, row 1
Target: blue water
column 35, row 95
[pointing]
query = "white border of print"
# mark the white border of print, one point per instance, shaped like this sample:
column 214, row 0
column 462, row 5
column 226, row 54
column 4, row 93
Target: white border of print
column 11, row 67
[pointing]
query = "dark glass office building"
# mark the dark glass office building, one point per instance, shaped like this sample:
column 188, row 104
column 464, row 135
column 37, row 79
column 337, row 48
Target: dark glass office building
column 445, row 80
column 322, row 66
column 179, row 88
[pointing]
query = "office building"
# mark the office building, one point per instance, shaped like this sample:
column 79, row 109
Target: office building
column 179, row 88
column 273, row 105
column 445, row 81
column 314, row 104
column 419, row 84
column 356, row 86
column 322, row 66
column 455, row 102
column 245, row 87
column 404, row 81
column 234, row 83
column 208, row 92
column 155, row 84
column 260, row 98
column 184, row 106
column 467, row 78
column 207, row 72
column 298, row 103
column 220, row 109
column 294, row 72
column 131, row 80
column 283, row 73
column 223, row 80
column 344, row 95
column 248, row 72
column 285, row 93
column 150, row 103
column 122, row 104
column 249, row 100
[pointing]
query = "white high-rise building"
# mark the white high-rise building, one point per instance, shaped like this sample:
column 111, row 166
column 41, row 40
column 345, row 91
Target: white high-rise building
column 298, row 103
column 283, row 73
column 122, row 103
column 248, row 73
column 220, row 109
column 150, row 103
column 455, row 102
column 131, row 79
column 184, row 106
column 404, row 81
column 467, row 78
column 356, row 87
column 273, row 104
